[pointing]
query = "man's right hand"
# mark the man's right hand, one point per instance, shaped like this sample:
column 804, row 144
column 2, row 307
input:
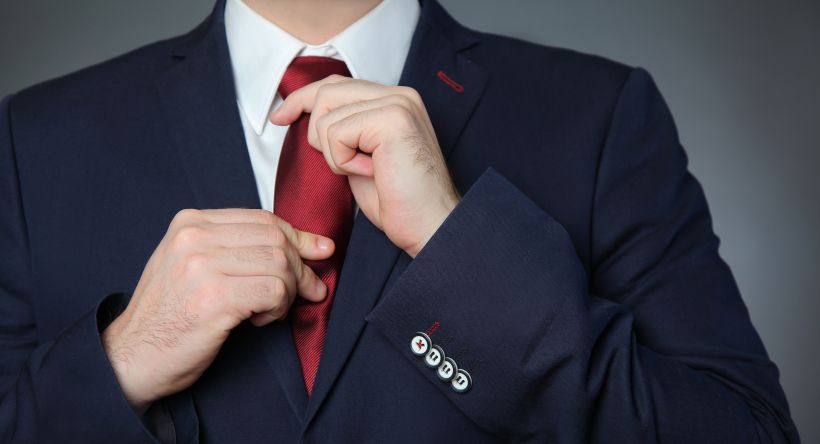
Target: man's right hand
column 211, row 271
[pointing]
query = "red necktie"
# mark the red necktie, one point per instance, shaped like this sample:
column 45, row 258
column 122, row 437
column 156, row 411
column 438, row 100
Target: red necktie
column 312, row 198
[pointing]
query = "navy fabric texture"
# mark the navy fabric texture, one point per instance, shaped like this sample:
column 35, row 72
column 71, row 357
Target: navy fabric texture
column 578, row 281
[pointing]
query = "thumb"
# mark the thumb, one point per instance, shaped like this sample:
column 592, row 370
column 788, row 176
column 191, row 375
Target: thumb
column 309, row 245
column 313, row 246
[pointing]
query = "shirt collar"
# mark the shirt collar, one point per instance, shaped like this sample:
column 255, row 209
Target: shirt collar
column 374, row 48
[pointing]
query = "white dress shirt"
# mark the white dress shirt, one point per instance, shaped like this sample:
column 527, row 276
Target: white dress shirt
column 374, row 48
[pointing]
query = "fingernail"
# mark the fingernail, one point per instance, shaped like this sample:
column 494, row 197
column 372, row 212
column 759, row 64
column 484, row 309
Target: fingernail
column 273, row 113
column 323, row 244
column 321, row 288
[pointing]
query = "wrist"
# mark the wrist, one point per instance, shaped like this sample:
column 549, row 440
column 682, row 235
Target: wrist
column 120, row 357
column 436, row 218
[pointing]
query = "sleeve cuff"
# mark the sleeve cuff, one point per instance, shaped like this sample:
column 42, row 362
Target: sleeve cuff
column 487, row 287
column 79, row 399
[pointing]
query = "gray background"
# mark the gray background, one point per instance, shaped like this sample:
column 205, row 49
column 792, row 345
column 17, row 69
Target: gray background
column 742, row 78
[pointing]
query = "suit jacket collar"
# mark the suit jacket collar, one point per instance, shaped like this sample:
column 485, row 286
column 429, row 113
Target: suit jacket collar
column 198, row 98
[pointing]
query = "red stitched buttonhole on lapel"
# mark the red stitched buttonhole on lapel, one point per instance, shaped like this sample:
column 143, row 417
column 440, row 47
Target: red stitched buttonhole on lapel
column 457, row 87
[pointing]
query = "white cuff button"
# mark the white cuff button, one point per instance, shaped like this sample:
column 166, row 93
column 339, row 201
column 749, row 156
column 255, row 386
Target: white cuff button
column 420, row 344
column 462, row 382
column 434, row 357
column 447, row 370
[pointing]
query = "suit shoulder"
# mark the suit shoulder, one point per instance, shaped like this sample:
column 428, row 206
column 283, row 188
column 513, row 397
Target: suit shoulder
column 521, row 53
column 101, row 85
column 532, row 64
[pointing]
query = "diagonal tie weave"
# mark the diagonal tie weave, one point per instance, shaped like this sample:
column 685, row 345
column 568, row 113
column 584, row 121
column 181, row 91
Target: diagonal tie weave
column 312, row 198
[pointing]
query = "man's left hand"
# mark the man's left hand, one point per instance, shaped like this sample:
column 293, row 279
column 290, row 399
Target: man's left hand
column 382, row 139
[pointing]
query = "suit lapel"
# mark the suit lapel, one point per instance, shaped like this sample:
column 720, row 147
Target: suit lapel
column 371, row 256
column 276, row 341
column 199, row 101
column 198, row 98
column 449, row 83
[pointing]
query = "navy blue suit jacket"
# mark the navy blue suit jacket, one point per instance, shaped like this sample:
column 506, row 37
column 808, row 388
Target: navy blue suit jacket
column 578, row 281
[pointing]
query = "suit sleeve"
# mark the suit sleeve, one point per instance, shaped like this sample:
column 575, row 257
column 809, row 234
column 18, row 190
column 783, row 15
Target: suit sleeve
column 63, row 390
column 651, row 344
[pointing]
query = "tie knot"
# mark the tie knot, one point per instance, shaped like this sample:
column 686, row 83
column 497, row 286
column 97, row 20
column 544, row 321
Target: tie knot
column 308, row 69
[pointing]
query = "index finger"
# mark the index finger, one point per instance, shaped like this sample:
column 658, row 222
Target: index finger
column 309, row 245
column 238, row 216
column 301, row 101
column 332, row 92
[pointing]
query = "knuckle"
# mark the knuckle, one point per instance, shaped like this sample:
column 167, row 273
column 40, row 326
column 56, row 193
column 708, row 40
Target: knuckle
column 188, row 235
column 279, row 257
column 187, row 214
column 323, row 91
column 331, row 162
column 183, row 217
column 410, row 93
column 405, row 101
column 333, row 129
column 278, row 288
column 322, row 123
column 263, row 216
column 397, row 112
column 195, row 264
column 306, row 274
column 261, row 291
column 313, row 138
column 299, row 239
column 277, row 236
column 279, row 310
column 279, row 305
